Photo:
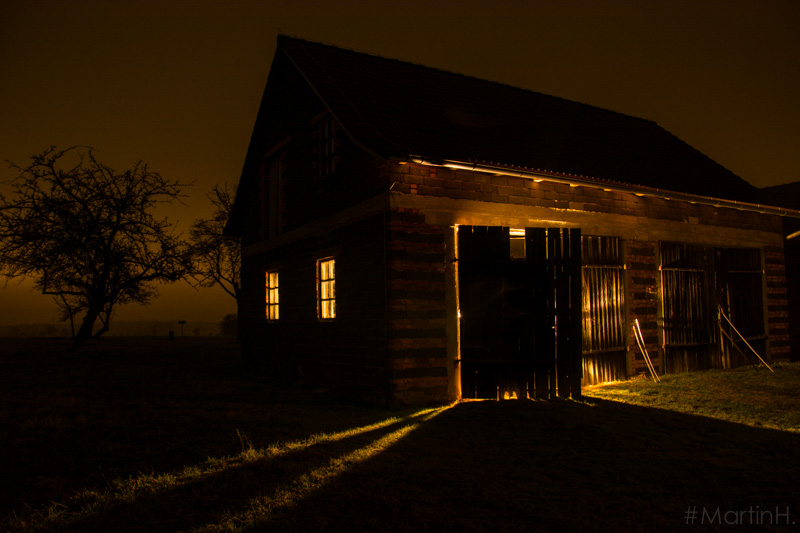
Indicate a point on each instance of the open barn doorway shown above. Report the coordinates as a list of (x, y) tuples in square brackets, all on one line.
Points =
[(520, 302), (713, 306)]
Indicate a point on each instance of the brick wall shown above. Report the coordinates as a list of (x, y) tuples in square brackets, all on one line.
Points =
[(777, 304), (642, 292), (416, 282)]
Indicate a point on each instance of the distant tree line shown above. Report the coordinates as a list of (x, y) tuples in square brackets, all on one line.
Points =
[(124, 328)]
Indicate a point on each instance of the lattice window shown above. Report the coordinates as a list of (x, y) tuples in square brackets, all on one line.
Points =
[(272, 191), (327, 158), (326, 289), (271, 294)]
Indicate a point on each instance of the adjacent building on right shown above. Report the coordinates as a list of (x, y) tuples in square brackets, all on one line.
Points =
[(788, 196)]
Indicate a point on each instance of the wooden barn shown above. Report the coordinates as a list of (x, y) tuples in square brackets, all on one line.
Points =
[(412, 235)]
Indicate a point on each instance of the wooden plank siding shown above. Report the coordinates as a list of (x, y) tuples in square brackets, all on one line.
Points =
[(347, 353), (565, 258), (604, 310)]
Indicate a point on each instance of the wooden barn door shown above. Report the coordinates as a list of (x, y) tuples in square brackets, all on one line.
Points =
[(553, 257), (489, 357), (520, 314)]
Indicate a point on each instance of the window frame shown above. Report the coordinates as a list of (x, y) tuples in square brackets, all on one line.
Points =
[(271, 290), (271, 192), (327, 146), (326, 288)]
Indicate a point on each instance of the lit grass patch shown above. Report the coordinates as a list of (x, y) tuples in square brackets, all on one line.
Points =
[(89, 502), (746, 395), (261, 510)]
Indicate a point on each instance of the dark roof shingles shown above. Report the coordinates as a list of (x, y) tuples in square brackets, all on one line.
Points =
[(396, 108)]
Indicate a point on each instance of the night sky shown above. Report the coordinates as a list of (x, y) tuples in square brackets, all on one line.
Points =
[(177, 83)]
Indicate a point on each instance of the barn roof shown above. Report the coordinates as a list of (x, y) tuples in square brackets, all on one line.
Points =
[(410, 112), (399, 109)]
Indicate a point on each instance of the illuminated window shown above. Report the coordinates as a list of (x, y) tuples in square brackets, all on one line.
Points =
[(326, 147), (326, 289), (271, 290), (517, 244)]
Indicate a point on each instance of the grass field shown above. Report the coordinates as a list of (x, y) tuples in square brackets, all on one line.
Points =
[(152, 435)]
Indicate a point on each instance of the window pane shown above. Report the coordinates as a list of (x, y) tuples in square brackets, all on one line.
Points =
[(324, 290)]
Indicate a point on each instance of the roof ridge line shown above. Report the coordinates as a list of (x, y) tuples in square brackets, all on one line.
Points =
[(366, 122), (460, 74)]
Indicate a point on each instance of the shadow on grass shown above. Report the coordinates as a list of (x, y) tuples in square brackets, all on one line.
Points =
[(78, 430), (278, 475), (72, 423), (597, 465)]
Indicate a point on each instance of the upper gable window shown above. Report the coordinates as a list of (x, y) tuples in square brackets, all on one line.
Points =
[(272, 177), (272, 197), (327, 145)]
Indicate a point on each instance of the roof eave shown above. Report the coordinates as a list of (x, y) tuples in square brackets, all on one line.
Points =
[(605, 185)]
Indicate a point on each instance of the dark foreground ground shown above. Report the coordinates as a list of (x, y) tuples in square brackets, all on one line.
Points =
[(152, 435)]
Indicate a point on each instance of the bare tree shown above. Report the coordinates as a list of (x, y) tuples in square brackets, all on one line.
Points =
[(69, 307), (217, 257), (88, 235)]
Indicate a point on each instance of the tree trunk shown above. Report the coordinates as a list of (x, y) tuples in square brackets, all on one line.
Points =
[(85, 331), (238, 321)]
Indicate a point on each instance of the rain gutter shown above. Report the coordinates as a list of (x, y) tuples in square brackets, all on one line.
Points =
[(581, 181)]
